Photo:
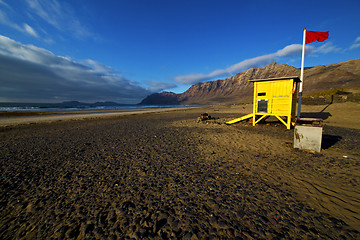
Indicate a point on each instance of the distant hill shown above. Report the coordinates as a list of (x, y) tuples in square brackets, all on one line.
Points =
[(163, 98), (238, 89)]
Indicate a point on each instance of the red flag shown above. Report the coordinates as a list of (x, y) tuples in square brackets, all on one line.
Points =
[(316, 36)]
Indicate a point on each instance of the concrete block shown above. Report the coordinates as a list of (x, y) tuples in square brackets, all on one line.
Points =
[(308, 137)]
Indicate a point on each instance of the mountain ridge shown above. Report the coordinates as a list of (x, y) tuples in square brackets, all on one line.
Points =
[(237, 88)]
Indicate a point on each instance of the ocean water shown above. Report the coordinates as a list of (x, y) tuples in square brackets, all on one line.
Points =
[(75, 106)]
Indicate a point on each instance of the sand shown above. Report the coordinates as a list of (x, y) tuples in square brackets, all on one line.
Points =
[(163, 175)]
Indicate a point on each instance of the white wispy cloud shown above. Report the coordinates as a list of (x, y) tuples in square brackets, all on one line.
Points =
[(30, 73), (60, 15), (356, 43), (25, 28), (3, 3), (49, 10), (290, 50), (30, 30), (4, 19), (98, 67), (327, 48), (158, 86), (42, 14)]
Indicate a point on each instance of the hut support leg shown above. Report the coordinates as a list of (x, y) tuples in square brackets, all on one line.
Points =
[(255, 122), (281, 120)]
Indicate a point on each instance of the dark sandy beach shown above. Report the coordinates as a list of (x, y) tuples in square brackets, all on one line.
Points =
[(165, 176)]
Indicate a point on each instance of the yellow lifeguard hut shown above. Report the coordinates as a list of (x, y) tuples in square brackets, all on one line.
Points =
[(273, 97)]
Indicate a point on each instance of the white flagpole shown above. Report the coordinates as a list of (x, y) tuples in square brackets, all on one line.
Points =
[(301, 75)]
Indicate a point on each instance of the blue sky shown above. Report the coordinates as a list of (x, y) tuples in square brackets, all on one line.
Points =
[(114, 50)]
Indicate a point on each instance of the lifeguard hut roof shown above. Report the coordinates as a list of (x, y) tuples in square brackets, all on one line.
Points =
[(296, 79)]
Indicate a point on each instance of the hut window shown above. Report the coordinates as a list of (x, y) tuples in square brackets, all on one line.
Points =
[(262, 94), (262, 106)]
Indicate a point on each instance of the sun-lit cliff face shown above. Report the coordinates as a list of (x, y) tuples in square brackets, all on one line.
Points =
[(237, 88)]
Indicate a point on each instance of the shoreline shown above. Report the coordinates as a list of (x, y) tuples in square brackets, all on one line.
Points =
[(48, 117), (346, 115)]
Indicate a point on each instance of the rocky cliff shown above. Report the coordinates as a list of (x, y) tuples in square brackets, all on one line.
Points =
[(237, 89)]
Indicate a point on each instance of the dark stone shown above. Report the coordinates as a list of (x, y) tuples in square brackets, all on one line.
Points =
[(128, 205), (304, 228), (72, 233), (87, 228), (159, 224), (188, 235)]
